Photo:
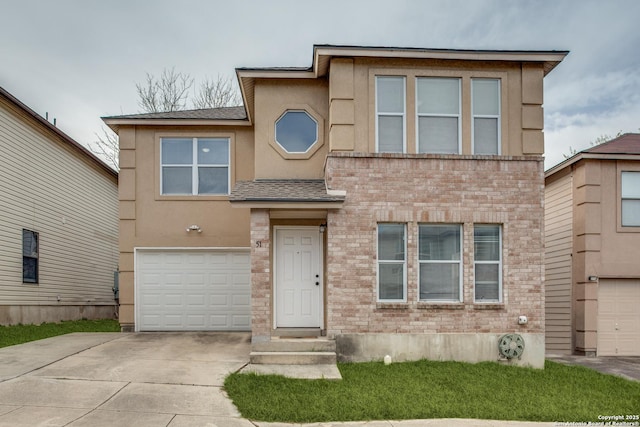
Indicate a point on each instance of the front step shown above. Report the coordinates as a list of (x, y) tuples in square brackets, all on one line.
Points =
[(291, 351), (293, 358)]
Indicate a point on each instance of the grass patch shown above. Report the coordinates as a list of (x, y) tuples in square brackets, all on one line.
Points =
[(427, 389), (18, 334)]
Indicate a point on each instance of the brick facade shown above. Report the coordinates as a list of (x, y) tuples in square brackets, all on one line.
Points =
[(260, 275), (414, 189)]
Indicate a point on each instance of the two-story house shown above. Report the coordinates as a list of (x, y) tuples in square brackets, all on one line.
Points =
[(592, 216), (388, 198), (58, 223)]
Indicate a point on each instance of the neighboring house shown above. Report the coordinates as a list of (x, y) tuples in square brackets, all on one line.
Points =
[(388, 198), (592, 223), (58, 223)]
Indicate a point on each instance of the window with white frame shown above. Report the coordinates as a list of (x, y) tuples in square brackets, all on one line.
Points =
[(390, 114), (392, 262), (440, 262), (487, 246), (194, 166), (438, 111), (30, 250), (630, 199), (486, 116)]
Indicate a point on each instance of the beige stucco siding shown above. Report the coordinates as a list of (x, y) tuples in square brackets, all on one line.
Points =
[(48, 187), (558, 247)]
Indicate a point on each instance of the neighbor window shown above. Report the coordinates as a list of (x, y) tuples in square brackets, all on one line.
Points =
[(440, 262), (631, 199), (296, 131), (390, 114), (486, 116), (392, 262), (487, 244), (30, 249), (194, 166), (438, 110)]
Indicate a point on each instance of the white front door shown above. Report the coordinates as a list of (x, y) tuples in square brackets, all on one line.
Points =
[(298, 277)]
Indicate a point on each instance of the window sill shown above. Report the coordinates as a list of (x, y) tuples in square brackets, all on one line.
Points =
[(193, 198), (440, 305), (392, 306), (489, 306)]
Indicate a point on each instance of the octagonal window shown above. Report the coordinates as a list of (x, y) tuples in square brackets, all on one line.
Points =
[(296, 131)]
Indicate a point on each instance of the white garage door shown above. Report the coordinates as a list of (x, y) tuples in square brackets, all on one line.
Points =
[(184, 290), (619, 317)]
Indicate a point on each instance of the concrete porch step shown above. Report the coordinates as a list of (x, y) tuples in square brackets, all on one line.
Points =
[(295, 344), (298, 332), (293, 357)]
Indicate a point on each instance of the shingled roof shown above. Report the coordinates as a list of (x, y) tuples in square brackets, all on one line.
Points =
[(629, 143), (283, 190), (222, 113)]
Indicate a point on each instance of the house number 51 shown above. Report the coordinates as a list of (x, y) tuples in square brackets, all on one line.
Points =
[(258, 243)]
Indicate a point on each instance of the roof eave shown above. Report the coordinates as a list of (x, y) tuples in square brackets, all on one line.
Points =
[(588, 156), (286, 204), (114, 124)]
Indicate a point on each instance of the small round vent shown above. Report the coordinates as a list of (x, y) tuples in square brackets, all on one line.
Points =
[(511, 346)]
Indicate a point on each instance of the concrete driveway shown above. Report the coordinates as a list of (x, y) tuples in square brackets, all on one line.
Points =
[(113, 379)]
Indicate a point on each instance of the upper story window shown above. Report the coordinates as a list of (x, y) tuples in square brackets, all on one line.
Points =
[(630, 199), (194, 166), (30, 250), (438, 111), (390, 114), (296, 131), (486, 116)]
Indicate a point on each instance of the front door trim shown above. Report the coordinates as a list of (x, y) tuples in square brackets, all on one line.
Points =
[(320, 272)]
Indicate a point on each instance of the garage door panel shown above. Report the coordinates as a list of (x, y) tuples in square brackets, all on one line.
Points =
[(619, 317), (188, 290)]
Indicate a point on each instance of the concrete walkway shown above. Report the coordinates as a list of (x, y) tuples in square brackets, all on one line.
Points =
[(150, 379)]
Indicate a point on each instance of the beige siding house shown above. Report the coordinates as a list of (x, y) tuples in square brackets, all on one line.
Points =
[(58, 223), (388, 200), (592, 241)]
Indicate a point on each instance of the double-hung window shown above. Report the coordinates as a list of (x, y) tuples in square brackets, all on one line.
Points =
[(486, 116), (30, 250), (390, 114), (438, 110), (487, 243), (630, 199), (194, 166), (392, 262), (440, 262)]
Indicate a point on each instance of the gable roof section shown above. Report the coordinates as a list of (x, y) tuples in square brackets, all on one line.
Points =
[(624, 147), (52, 130)]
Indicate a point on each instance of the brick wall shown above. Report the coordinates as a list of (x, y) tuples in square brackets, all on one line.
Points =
[(414, 189)]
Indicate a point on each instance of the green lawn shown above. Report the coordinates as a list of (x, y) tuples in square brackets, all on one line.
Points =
[(426, 389), (18, 334)]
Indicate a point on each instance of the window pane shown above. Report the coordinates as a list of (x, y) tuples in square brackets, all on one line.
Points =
[(486, 240), (440, 281), (485, 136), (390, 134), (631, 213), (438, 96), (29, 270), (391, 279), (213, 151), (391, 242), (29, 243), (213, 180), (439, 242), (487, 279), (390, 94), (296, 131), (485, 97), (177, 151), (438, 135), (176, 180), (631, 185)]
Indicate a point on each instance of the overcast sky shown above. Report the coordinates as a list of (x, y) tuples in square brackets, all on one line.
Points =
[(80, 59)]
